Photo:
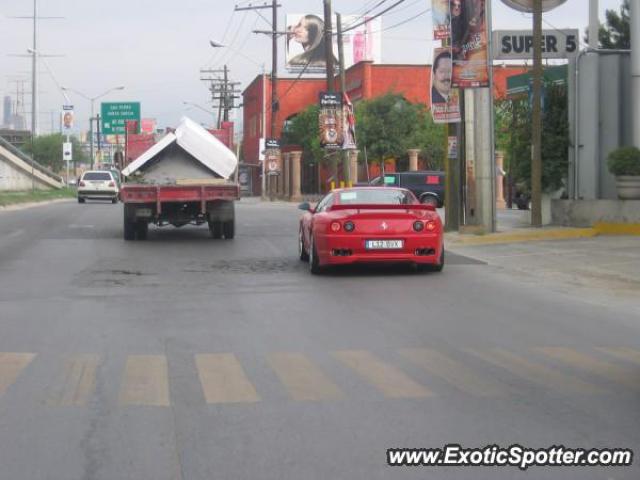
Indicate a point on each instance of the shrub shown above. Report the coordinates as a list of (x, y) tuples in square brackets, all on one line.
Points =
[(624, 161)]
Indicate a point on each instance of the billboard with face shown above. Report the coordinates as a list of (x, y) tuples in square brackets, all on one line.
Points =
[(305, 42)]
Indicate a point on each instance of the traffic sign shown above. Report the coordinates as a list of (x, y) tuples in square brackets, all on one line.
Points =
[(115, 114)]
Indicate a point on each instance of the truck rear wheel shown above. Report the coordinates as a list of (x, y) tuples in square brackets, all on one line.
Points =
[(129, 226), (215, 227), (142, 228), (229, 229)]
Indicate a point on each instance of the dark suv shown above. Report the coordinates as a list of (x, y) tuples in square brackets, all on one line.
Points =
[(428, 186)]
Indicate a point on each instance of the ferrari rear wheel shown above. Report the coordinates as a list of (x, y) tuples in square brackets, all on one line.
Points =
[(302, 253), (314, 263)]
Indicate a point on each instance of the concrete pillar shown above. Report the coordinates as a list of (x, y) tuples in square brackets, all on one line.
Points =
[(413, 159), (500, 202), (286, 171), (295, 158), (353, 166), (635, 69)]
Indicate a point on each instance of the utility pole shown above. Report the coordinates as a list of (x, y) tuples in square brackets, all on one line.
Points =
[(346, 168), (536, 130), (328, 44), (274, 71), (274, 68), (34, 75), (223, 91)]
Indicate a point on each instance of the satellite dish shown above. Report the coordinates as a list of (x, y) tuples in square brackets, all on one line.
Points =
[(527, 5)]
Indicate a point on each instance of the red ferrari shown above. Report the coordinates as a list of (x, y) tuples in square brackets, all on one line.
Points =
[(371, 225)]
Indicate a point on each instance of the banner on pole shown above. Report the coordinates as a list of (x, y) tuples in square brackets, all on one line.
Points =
[(445, 100), (67, 151), (441, 19), (469, 43), (67, 117), (273, 156), (330, 120), (349, 122)]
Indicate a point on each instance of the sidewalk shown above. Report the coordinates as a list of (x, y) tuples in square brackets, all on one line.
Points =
[(513, 227)]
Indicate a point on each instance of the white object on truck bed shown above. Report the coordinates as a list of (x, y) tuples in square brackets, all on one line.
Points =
[(191, 153)]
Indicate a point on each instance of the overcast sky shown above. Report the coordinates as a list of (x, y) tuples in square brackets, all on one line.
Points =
[(155, 48)]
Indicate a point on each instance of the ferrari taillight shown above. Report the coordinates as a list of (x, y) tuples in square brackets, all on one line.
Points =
[(335, 226), (430, 226), (349, 226), (418, 226)]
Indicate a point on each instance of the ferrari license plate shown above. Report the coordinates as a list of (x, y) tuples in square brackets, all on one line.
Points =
[(384, 244)]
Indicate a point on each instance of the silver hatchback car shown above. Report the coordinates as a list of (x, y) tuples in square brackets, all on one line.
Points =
[(98, 184)]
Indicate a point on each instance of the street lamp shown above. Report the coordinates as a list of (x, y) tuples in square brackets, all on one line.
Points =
[(215, 44), (92, 100)]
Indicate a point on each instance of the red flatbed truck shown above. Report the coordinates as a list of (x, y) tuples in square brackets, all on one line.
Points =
[(187, 178)]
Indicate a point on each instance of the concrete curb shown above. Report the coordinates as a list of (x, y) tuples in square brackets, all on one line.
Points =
[(520, 236), (23, 206), (617, 228)]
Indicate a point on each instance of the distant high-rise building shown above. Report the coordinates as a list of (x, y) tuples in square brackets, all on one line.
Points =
[(8, 113)]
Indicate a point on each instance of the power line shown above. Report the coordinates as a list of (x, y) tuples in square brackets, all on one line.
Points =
[(352, 27)]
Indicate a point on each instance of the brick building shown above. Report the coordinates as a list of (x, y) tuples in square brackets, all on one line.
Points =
[(364, 80)]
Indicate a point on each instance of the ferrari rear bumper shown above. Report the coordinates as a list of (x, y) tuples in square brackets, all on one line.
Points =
[(350, 249)]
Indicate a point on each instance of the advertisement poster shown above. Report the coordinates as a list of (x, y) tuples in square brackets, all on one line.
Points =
[(441, 19), (67, 117), (349, 123), (445, 100), (469, 43), (330, 120), (305, 45), (273, 157)]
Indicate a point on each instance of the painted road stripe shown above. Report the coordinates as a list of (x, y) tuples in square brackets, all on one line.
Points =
[(454, 372), (302, 379), (625, 376), (11, 365), (535, 372), (78, 383), (386, 378), (623, 353), (223, 379), (145, 381)]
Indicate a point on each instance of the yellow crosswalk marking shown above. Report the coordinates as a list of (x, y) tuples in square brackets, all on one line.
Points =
[(78, 382), (623, 353), (535, 372), (223, 379), (11, 364), (454, 372), (386, 378), (145, 381), (625, 376), (303, 379)]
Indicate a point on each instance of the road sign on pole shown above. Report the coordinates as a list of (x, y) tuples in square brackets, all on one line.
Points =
[(116, 114)]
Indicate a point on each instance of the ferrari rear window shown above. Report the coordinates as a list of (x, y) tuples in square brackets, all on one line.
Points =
[(375, 196)]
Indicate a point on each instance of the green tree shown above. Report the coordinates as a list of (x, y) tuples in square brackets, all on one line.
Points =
[(555, 140), (616, 33), (303, 130), (47, 151), (389, 125)]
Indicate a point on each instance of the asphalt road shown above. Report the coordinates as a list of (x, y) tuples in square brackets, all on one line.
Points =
[(190, 358)]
